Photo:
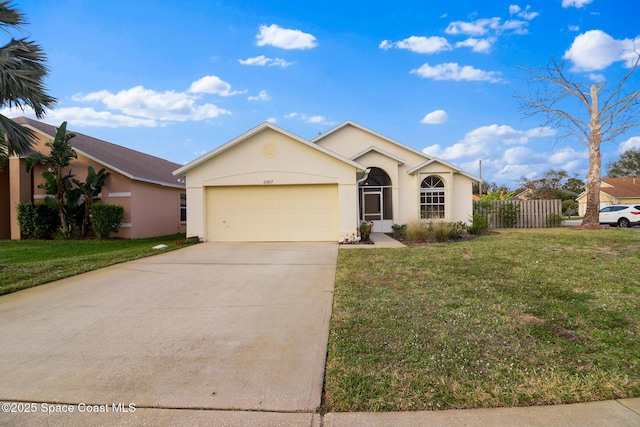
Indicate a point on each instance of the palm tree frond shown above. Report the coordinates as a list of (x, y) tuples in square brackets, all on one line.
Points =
[(18, 138)]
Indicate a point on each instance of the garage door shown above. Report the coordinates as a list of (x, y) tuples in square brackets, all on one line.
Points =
[(273, 213)]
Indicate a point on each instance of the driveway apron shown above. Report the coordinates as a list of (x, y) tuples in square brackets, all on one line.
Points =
[(214, 326)]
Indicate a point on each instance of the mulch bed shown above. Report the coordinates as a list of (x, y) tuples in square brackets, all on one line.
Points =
[(464, 236)]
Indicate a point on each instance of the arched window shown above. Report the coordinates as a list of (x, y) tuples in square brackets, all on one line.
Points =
[(432, 200)]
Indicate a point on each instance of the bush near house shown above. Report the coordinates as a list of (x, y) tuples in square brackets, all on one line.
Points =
[(37, 220), (106, 219)]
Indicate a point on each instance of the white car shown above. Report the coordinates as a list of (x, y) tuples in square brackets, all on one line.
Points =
[(620, 215)]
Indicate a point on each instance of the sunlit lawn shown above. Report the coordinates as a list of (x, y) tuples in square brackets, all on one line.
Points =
[(524, 317), (27, 263)]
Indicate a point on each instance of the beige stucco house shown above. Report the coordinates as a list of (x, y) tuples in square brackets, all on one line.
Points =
[(271, 185), (613, 191), (154, 200)]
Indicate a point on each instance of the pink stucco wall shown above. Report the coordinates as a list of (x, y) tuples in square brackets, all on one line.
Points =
[(151, 209)]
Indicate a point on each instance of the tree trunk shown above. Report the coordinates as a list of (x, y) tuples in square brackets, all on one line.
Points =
[(592, 214)]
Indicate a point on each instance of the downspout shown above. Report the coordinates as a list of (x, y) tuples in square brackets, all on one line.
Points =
[(358, 182)]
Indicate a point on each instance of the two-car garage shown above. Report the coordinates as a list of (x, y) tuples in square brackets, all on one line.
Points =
[(272, 213)]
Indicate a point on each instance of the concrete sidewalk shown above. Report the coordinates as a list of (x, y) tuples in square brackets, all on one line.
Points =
[(380, 240), (612, 413)]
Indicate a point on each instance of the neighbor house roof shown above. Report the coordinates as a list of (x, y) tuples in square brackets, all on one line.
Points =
[(130, 163), (621, 187), (254, 131)]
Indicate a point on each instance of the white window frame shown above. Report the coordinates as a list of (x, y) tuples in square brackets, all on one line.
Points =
[(432, 198)]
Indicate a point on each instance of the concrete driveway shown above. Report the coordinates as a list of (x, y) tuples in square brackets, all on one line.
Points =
[(215, 326)]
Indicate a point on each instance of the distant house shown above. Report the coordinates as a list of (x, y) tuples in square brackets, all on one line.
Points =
[(154, 200), (613, 191), (271, 185)]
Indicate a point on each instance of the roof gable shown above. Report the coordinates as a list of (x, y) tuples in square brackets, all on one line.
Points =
[(130, 163), (377, 150), (252, 132), (442, 162), (349, 123)]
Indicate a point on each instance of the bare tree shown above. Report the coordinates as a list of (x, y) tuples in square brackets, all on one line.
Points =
[(551, 93)]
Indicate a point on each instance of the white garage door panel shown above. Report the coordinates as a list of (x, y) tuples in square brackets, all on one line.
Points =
[(273, 213)]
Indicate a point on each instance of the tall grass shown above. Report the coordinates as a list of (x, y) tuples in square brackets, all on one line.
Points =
[(417, 231)]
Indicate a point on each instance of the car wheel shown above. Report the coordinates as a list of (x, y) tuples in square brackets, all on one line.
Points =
[(624, 222)]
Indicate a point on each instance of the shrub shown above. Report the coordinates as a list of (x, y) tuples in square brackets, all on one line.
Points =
[(440, 230), (417, 231), (569, 207), (478, 224), (37, 220), (106, 219), (509, 214), (554, 220), (365, 230), (399, 230)]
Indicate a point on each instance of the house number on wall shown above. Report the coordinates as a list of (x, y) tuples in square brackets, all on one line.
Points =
[(268, 181)]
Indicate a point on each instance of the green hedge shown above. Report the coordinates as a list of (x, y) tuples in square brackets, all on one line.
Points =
[(106, 219), (37, 220)]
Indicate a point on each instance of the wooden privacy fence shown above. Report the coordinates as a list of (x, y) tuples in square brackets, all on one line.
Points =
[(520, 213)]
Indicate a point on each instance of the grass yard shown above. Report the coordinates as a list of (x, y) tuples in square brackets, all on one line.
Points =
[(27, 263), (521, 318)]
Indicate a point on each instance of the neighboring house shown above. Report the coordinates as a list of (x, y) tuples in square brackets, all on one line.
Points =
[(271, 185), (613, 191), (154, 200)]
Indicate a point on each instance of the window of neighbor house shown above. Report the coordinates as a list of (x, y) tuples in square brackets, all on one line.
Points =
[(183, 207), (432, 199)]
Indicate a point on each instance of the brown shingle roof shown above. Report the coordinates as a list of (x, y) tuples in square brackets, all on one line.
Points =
[(622, 187), (134, 164)]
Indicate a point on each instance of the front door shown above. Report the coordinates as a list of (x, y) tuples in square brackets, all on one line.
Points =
[(372, 209)]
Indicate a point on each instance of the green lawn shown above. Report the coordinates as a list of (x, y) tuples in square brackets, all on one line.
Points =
[(523, 317), (27, 263)]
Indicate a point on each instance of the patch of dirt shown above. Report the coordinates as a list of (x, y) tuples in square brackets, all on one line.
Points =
[(588, 227), (528, 319)]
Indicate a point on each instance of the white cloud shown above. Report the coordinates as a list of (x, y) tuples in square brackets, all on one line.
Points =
[(148, 104), (435, 117), (317, 119), (575, 3), (478, 27), (213, 85), (596, 50), (453, 71), (633, 142), (483, 26), (418, 44), (525, 13), (77, 116), (272, 120), (487, 139), (478, 45), (575, 28), (263, 61), (285, 38), (262, 96), (597, 77), (509, 154)]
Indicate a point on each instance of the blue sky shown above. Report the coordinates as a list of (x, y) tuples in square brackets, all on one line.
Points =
[(177, 79)]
